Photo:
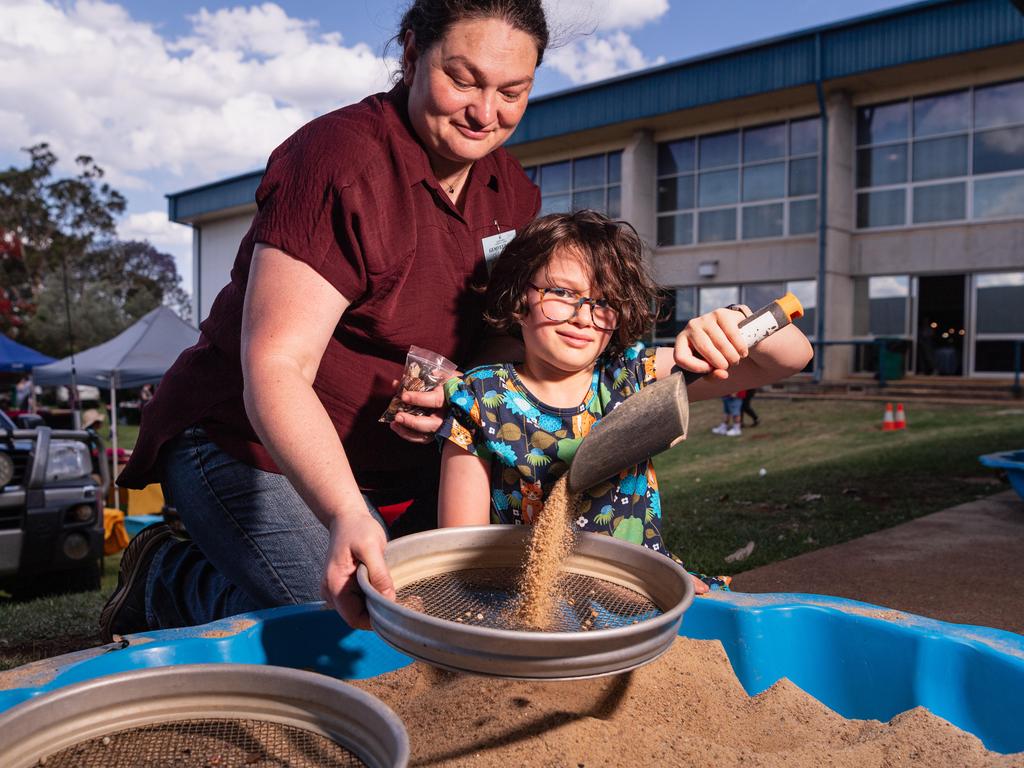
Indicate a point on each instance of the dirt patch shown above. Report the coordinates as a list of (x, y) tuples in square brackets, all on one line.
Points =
[(686, 708), (234, 628), (41, 672)]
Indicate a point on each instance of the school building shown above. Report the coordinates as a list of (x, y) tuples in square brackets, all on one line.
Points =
[(874, 167)]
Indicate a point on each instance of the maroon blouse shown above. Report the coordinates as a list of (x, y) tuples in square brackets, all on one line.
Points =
[(351, 194)]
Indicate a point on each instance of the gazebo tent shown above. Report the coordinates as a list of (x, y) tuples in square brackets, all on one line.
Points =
[(15, 357), (139, 355)]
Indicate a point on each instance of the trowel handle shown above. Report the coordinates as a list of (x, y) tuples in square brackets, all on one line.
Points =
[(762, 324)]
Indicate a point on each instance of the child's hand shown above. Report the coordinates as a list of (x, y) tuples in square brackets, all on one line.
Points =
[(711, 343), (699, 587)]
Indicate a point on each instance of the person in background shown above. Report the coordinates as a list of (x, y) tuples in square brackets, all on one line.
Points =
[(373, 229), (732, 405), (747, 409), (575, 287), (22, 393)]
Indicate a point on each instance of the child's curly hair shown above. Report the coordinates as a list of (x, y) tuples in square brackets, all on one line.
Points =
[(610, 251)]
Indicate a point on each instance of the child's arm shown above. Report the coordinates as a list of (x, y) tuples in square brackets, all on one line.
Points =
[(711, 344), (464, 497)]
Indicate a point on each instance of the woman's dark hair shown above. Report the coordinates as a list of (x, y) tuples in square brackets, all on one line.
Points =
[(430, 20), (610, 251)]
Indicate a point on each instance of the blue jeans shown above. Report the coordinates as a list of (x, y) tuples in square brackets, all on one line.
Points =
[(254, 542), (731, 405)]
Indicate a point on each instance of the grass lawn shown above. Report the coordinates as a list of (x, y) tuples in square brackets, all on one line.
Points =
[(49, 626), (830, 475)]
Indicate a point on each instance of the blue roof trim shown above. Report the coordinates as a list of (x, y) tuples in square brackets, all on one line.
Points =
[(912, 33), (187, 205)]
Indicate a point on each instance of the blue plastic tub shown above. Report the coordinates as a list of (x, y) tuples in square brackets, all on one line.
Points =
[(861, 660), (135, 523), (1012, 462)]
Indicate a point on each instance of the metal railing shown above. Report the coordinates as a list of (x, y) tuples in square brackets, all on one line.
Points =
[(882, 344)]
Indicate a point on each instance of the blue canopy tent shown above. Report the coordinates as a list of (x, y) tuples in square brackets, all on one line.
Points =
[(139, 355), (17, 358)]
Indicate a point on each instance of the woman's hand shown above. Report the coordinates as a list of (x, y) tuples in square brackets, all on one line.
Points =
[(711, 343), (355, 538), (420, 429)]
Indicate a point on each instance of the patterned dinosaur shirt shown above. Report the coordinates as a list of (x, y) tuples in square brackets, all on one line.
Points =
[(529, 445)]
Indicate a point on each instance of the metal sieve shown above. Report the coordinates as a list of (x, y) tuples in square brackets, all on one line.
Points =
[(223, 715), (618, 605)]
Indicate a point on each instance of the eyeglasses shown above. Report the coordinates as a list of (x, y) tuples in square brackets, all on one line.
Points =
[(560, 305)]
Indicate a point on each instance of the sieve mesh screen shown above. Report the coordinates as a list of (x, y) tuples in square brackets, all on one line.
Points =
[(207, 743), (487, 597)]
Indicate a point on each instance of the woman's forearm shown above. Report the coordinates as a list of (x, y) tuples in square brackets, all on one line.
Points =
[(296, 430)]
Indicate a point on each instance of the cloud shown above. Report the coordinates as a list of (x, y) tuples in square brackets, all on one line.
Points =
[(598, 57), (589, 41), (584, 16), (89, 78), (154, 226)]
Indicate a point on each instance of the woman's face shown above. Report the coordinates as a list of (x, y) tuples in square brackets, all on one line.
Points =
[(468, 91)]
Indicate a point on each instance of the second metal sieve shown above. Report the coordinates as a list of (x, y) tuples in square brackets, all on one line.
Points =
[(618, 605)]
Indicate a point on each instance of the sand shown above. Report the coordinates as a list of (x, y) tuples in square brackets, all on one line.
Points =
[(685, 709), (551, 540)]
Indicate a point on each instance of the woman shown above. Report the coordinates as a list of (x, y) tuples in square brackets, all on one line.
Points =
[(370, 235)]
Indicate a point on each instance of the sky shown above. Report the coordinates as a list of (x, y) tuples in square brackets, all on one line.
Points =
[(166, 96)]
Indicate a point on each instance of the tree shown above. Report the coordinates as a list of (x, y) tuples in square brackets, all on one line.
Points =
[(50, 227)]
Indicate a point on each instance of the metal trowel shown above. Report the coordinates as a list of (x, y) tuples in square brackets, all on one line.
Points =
[(656, 418)]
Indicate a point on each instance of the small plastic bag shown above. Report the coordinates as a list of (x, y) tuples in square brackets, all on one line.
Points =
[(424, 370)]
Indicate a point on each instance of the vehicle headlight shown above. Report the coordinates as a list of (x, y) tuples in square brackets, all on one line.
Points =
[(6, 469), (68, 460)]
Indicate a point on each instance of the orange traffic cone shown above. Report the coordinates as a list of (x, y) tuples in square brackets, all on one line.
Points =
[(901, 418), (888, 424)]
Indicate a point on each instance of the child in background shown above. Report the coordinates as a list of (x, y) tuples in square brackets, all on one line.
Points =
[(732, 406), (576, 289)]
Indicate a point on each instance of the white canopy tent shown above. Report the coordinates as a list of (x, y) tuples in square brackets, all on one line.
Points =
[(139, 355)]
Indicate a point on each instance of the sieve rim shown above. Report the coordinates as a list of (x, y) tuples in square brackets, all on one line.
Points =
[(665, 617), (107, 704), (498, 651)]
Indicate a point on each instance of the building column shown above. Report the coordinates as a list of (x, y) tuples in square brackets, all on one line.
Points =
[(839, 224), (639, 171), (197, 265)]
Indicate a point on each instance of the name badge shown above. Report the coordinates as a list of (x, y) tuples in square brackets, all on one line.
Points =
[(494, 245)]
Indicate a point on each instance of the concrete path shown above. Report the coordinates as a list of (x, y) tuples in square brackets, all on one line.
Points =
[(964, 564)]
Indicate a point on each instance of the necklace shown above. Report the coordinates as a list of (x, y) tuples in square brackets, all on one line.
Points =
[(450, 185)]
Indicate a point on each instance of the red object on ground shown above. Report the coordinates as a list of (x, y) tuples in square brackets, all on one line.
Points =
[(391, 512), (901, 418), (888, 423), (122, 455)]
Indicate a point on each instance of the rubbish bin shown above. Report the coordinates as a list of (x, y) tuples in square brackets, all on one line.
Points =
[(892, 362)]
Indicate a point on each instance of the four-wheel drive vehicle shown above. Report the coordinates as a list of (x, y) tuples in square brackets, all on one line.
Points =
[(52, 487)]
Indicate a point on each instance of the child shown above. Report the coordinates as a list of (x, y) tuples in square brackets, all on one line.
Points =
[(575, 288), (732, 405)]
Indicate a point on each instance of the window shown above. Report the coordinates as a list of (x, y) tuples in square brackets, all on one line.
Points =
[(684, 303), (679, 305), (999, 302), (714, 296), (752, 183), (945, 157), (593, 182), (807, 292), (888, 303), (758, 295)]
